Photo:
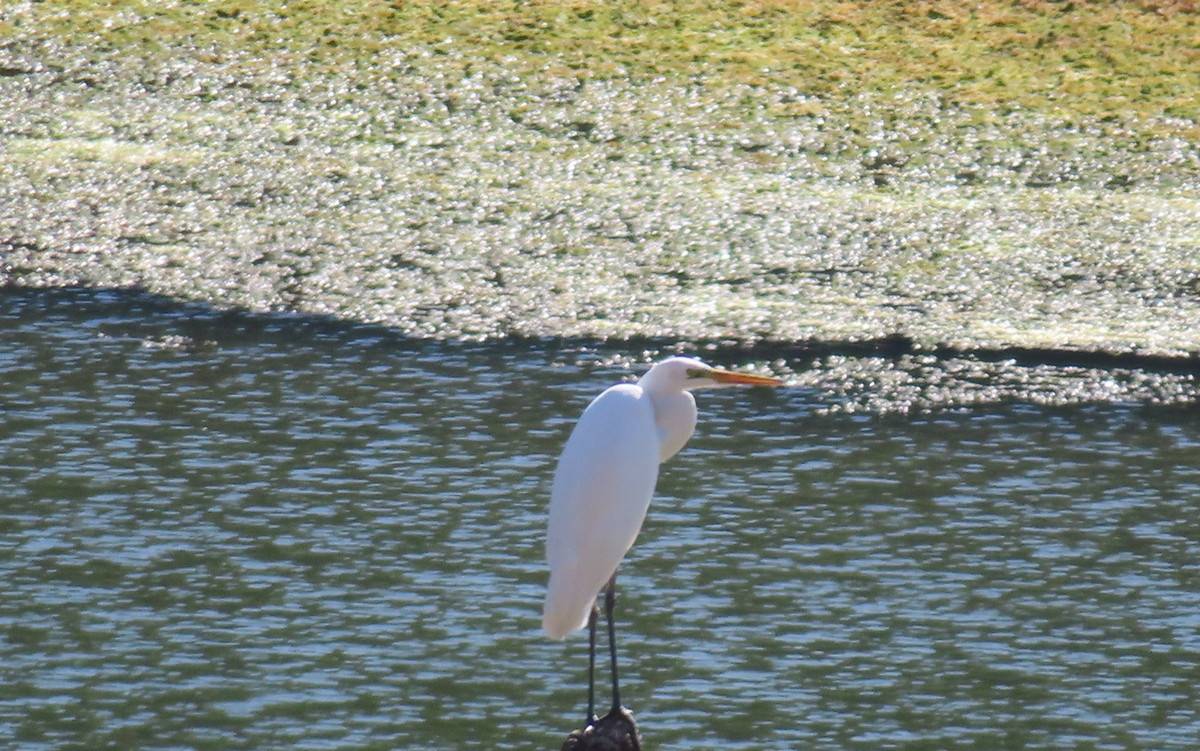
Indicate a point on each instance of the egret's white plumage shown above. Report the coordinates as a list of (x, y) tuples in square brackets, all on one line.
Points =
[(606, 475), (616, 430)]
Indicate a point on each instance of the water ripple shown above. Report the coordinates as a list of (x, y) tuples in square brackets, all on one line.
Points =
[(331, 539)]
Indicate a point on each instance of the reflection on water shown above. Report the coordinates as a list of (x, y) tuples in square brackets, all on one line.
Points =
[(238, 533)]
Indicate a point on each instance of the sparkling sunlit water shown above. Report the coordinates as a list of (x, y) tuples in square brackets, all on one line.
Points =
[(268, 533)]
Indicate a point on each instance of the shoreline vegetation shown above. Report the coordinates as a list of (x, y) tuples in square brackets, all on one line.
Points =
[(974, 177), (1064, 58)]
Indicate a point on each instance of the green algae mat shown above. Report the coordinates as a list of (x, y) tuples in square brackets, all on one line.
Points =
[(1008, 174)]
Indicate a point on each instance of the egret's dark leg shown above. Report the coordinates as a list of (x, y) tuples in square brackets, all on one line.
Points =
[(591, 712), (610, 598)]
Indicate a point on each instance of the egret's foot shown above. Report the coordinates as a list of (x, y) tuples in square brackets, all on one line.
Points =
[(615, 731)]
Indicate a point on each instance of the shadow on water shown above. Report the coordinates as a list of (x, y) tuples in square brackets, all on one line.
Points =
[(201, 323), (266, 531)]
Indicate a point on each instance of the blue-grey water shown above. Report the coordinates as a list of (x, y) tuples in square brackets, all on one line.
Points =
[(238, 532)]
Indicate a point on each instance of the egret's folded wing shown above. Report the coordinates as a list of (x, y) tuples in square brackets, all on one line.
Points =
[(602, 488)]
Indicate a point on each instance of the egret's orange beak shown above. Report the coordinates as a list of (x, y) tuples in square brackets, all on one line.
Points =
[(744, 379)]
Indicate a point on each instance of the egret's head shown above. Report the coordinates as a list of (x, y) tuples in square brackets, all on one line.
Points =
[(688, 373)]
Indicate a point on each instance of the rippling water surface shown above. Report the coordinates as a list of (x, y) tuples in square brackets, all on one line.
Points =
[(267, 533)]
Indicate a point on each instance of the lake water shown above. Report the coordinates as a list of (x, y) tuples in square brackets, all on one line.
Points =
[(236, 532)]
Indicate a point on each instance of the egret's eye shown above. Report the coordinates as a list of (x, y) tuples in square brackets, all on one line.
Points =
[(697, 373)]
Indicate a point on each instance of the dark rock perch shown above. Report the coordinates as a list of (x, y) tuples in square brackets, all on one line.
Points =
[(615, 731)]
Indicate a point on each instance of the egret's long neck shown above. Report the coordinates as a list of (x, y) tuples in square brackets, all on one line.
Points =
[(675, 416)]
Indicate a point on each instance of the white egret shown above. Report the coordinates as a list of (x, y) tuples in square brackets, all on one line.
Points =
[(602, 488)]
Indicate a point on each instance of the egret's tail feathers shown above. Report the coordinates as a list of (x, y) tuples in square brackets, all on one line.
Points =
[(558, 625), (566, 609)]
